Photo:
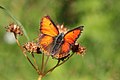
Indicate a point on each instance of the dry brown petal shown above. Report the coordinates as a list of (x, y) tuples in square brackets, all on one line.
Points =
[(78, 49), (31, 47), (62, 29), (14, 29)]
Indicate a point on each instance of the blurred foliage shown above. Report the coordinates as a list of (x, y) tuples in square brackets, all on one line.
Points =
[(101, 19)]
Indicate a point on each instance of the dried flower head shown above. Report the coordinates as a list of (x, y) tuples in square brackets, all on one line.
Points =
[(14, 29), (62, 29), (78, 49), (31, 47)]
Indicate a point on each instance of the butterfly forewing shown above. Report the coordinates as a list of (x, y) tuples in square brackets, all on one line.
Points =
[(72, 35), (48, 27)]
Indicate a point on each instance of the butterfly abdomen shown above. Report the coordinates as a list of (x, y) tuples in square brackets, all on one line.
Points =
[(57, 43)]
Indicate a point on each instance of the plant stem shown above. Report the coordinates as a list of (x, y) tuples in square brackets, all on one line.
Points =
[(34, 61), (25, 54), (42, 66), (40, 77), (58, 64), (66, 59), (46, 62), (52, 68)]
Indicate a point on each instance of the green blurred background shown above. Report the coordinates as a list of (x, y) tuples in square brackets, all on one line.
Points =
[(101, 19)]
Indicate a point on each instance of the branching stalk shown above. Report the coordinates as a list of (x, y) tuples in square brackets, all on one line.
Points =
[(25, 54), (58, 64)]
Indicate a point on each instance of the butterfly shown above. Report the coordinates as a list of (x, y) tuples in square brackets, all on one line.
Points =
[(55, 43)]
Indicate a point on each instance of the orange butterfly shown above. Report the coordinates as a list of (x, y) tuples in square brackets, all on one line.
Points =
[(55, 43)]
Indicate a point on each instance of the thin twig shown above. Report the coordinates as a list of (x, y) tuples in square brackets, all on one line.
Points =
[(46, 62), (52, 68), (25, 54), (42, 66), (58, 64), (40, 77), (34, 61), (66, 59)]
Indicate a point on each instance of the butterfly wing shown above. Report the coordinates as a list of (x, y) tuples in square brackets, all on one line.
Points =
[(72, 35), (49, 31), (69, 39), (48, 27), (63, 51), (46, 42)]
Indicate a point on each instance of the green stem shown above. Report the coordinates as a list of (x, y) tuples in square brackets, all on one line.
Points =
[(52, 68), (66, 59), (58, 64), (42, 66), (26, 55), (46, 62), (40, 77), (34, 61)]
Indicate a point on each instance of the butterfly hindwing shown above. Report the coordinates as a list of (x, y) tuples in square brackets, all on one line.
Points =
[(63, 51), (46, 42), (48, 27), (72, 35)]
